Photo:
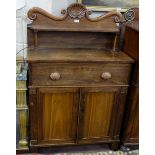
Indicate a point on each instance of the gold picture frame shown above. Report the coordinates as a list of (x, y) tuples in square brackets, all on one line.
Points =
[(108, 8)]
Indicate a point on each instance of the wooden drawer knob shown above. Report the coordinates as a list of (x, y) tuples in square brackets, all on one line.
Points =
[(55, 76), (106, 75)]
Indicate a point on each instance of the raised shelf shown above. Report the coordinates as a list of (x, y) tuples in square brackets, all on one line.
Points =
[(73, 29)]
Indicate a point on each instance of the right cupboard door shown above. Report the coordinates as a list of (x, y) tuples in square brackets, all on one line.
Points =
[(100, 114)]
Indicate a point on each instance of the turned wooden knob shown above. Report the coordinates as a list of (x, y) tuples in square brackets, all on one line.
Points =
[(106, 75), (55, 76)]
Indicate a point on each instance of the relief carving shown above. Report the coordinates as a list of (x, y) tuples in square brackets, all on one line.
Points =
[(75, 11)]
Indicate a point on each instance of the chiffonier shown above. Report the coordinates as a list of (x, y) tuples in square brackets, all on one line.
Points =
[(130, 134), (78, 78)]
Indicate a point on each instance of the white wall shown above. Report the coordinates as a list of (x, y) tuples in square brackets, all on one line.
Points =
[(44, 4), (58, 5), (21, 33), (52, 6)]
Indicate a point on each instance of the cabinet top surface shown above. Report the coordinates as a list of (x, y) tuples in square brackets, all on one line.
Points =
[(77, 55)]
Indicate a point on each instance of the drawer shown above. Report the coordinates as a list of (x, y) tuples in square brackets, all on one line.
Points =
[(76, 74)]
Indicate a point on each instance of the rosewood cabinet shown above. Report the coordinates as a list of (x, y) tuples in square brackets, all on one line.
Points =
[(130, 130), (78, 78)]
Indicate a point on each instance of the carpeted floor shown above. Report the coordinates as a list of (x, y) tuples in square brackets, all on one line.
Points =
[(135, 152)]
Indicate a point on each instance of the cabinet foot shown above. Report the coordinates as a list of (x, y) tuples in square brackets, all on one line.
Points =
[(33, 150), (114, 146)]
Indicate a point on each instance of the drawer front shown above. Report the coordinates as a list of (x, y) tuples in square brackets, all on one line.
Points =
[(78, 74)]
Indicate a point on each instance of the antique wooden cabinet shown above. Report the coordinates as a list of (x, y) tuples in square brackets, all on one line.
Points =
[(78, 78), (130, 130)]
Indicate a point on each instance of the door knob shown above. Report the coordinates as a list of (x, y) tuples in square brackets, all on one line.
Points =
[(106, 75), (55, 76)]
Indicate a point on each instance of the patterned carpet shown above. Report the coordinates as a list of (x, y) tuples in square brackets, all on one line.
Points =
[(135, 152)]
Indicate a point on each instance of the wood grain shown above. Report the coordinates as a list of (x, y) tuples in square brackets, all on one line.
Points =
[(78, 106), (131, 46), (47, 30), (33, 115), (131, 126), (97, 110), (130, 129), (79, 74), (104, 23), (70, 39), (77, 55), (58, 115)]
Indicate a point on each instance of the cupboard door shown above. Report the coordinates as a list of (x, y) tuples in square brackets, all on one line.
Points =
[(57, 115), (98, 118)]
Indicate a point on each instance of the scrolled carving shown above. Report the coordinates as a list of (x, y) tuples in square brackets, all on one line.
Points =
[(63, 12), (76, 10), (117, 16), (32, 14), (129, 15)]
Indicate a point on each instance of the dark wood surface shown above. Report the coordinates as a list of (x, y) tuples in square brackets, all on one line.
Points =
[(130, 130), (75, 74), (133, 25), (71, 101), (74, 28), (57, 115), (77, 55), (71, 40), (80, 111), (131, 40), (98, 108)]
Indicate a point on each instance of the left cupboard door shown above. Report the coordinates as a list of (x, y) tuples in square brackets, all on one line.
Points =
[(53, 117)]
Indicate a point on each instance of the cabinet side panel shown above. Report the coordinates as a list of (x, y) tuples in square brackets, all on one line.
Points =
[(131, 129), (131, 43)]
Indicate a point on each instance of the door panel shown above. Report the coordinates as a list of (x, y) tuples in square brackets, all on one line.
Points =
[(97, 109), (58, 109), (98, 106)]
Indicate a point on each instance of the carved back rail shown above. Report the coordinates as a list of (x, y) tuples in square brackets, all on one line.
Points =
[(74, 29)]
